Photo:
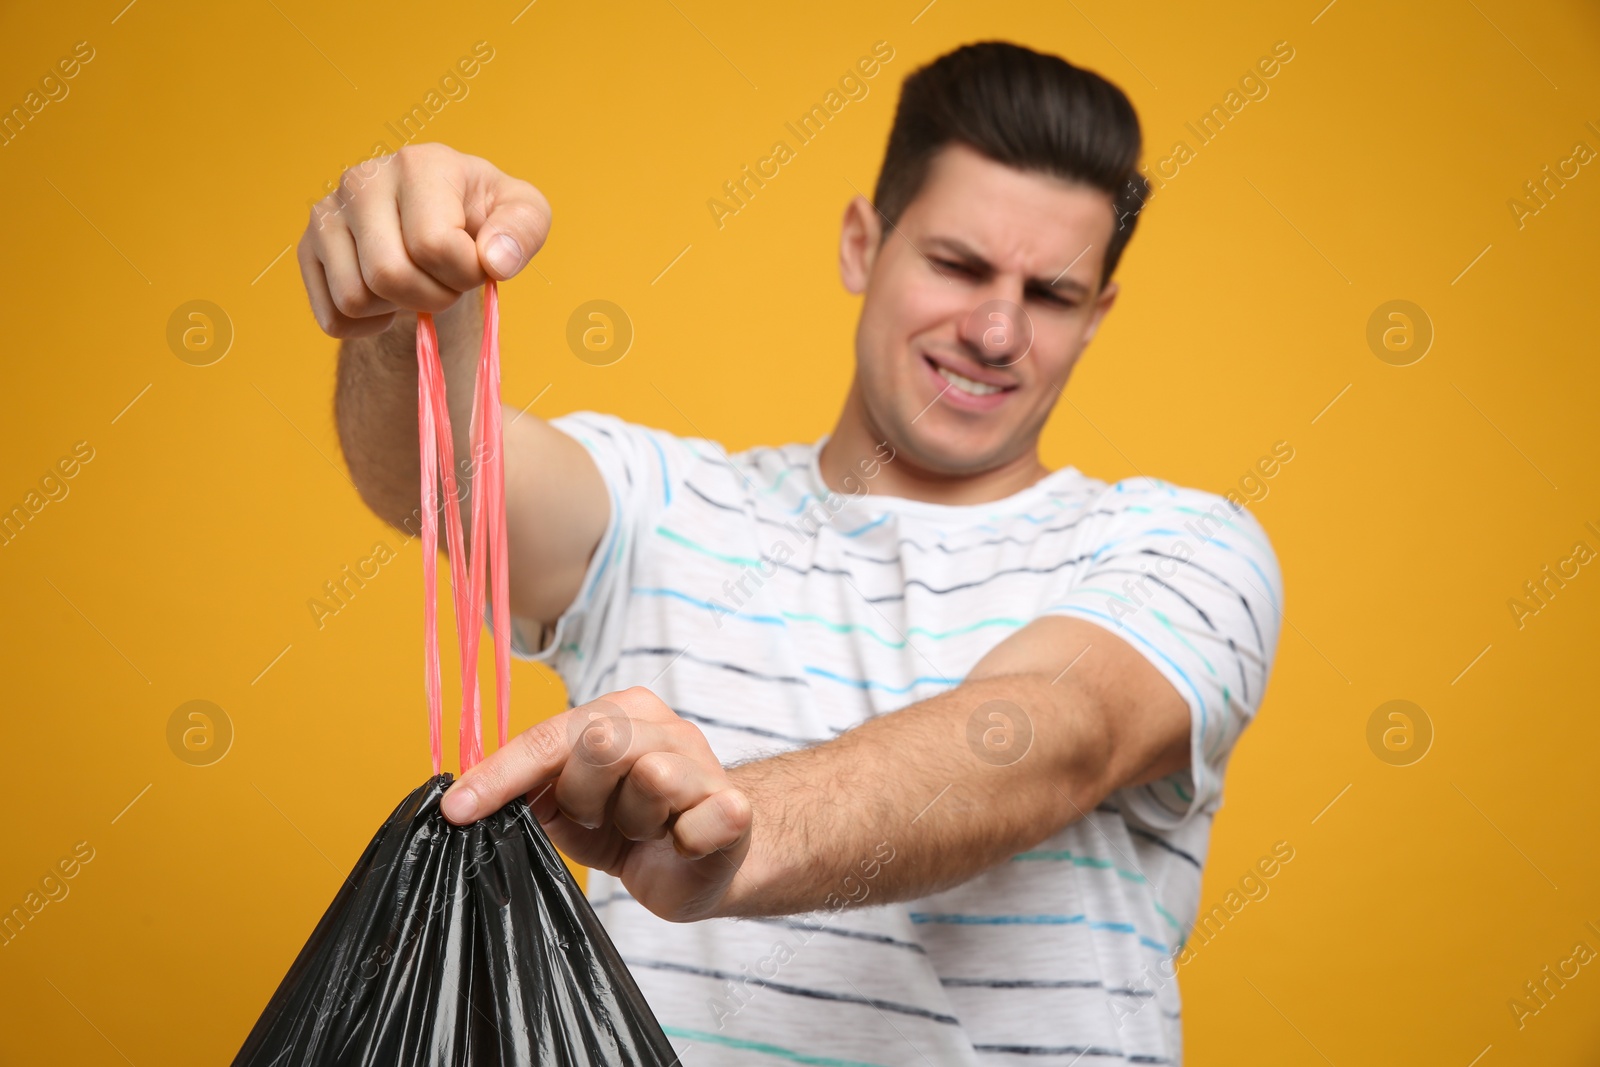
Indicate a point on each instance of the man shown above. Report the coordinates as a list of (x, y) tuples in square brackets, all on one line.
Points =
[(895, 748)]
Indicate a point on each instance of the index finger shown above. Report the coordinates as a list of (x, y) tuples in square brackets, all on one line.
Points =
[(535, 757)]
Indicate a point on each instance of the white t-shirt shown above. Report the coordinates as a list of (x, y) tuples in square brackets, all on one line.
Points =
[(774, 613)]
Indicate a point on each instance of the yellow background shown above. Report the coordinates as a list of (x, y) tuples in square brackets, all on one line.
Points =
[(180, 565)]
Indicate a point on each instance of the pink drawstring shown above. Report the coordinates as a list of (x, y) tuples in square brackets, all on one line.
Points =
[(488, 519)]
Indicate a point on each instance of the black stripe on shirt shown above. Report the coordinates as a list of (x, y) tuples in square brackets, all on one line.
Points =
[(1163, 843), (1069, 1050), (1003, 572), (679, 653), (794, 990), (724, 724), (1220, 581), (1044, 983), (859, 935)]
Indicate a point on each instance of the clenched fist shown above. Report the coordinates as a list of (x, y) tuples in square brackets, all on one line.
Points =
[(413, 231)]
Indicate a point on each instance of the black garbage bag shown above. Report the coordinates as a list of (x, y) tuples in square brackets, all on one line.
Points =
[(459, 946), (466, 946)]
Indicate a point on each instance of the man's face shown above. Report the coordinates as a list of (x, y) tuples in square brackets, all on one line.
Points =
[(976, 308)]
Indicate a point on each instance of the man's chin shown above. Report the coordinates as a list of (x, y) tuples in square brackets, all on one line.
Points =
[(949, 456)]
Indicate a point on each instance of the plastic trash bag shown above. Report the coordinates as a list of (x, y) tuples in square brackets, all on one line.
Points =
[(465, 946), (459, 946)]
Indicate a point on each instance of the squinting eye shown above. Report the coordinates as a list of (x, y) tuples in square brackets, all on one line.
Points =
[(1055, 298), (957, 268)]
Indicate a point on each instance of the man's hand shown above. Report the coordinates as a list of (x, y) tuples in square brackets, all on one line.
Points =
[(623, 785), (413, 231)]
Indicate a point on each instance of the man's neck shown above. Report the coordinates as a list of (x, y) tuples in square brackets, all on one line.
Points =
[(855, 447)]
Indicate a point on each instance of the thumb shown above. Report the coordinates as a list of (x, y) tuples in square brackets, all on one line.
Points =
[(513, 221)]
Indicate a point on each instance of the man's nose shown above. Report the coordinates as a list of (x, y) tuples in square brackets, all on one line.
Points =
[(997, 330)]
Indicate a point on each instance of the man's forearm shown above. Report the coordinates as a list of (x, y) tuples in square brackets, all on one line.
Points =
[(375, 403), (920, 799)]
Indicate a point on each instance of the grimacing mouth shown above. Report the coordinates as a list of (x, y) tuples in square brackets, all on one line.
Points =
[(971, 378)]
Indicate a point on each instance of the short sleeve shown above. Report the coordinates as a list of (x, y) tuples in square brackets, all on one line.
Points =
[(1190, 580), (643, 469)]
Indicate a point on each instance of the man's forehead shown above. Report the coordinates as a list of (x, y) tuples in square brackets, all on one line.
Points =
[(1013, 220)]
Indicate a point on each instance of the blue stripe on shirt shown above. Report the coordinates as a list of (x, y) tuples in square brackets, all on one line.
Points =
[(868, 683)]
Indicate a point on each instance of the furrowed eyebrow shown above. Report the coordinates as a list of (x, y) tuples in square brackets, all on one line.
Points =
[(973, 259)]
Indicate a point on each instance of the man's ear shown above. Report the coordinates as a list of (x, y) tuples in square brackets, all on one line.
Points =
[(860, 235)]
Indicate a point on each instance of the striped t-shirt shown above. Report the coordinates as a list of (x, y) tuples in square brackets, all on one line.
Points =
[(774, 613)]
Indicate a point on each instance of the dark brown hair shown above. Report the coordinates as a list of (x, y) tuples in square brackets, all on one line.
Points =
[(1026, 110)]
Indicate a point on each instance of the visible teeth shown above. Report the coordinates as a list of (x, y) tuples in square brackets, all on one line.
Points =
[(967, 385)]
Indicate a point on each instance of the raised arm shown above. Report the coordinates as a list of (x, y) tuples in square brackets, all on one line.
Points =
[(417, 231)]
